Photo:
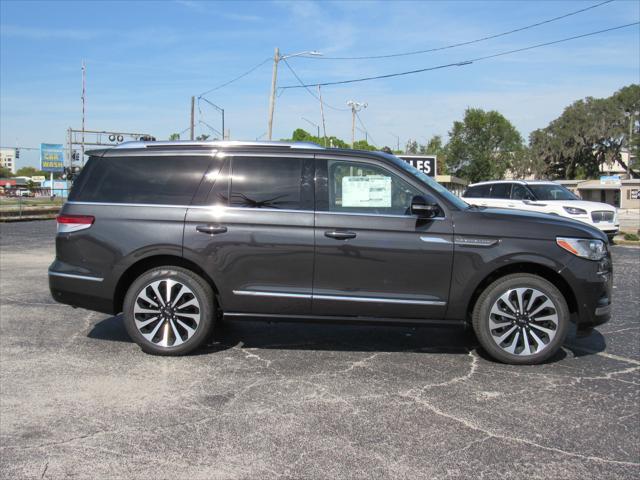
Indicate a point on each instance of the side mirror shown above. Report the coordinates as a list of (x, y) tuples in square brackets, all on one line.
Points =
[(424, 206)]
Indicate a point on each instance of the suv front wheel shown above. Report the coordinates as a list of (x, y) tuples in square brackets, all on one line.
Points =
[(169, 311), (521, 319)]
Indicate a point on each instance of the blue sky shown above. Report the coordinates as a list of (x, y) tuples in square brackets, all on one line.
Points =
[(145, 60)]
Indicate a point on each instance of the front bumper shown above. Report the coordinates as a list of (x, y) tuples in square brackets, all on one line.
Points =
[(592, 285)]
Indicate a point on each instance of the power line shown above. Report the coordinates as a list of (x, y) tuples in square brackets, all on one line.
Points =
[(252, 69), (461, 63), (373, 142), (306, 87), (470, 42)]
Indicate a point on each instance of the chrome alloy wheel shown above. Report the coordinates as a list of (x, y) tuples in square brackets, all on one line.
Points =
[(523, 321), (166, 313)]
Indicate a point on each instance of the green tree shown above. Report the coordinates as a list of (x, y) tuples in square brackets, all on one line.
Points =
[(202, 137), (30, 172), (301, 135), (5, 172), (436, 146), (174, 136), (482, 145), (589, 133)]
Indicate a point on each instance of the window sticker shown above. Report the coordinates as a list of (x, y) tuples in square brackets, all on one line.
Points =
[(369, 191)]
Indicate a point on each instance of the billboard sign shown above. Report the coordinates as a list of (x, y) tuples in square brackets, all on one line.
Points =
[(51, 157), (425, 163), (610, 180)]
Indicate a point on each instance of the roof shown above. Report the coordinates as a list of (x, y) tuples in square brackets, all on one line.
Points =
[(216, 144)]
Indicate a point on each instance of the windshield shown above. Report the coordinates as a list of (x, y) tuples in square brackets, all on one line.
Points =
[(407, 167), (551, 191)]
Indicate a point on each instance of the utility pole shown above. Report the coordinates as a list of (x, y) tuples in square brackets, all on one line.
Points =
[(272, 97), (274, 80), (84, 70), (324, 127), (193, 118), (355, 108)]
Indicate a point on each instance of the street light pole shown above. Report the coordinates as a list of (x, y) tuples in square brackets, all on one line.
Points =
[(274, 80)]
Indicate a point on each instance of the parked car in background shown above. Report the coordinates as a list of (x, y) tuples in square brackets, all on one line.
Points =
[(177, 234), (543, 197)]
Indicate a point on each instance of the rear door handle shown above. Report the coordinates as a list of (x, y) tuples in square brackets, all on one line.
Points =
[(211, 229), (340, 235)]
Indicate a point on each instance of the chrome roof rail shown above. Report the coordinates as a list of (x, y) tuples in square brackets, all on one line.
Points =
[(215, 144)]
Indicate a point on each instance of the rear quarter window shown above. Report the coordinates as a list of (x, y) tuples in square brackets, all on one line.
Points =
[(163, 180)]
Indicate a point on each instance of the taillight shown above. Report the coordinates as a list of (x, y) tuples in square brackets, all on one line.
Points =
[(74, 223)]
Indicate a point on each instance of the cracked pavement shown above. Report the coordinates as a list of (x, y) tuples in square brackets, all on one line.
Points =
[(79, 399)]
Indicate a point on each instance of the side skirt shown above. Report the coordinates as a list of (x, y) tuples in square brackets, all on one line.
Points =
[(272, 317)]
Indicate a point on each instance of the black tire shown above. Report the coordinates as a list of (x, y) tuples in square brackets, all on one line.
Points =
[(199, 290), (489, 297)]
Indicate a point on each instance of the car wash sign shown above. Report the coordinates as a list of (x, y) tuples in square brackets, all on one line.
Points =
[(425, 163), (51, 157)]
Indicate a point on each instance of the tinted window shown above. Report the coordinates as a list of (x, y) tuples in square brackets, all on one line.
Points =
[(520, 192), (501, 190), (145, 179), (477, 191), (219, 194), (364, 188), (265, 182), (552, 191)]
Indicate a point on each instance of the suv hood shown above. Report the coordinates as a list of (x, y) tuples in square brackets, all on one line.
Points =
[(585, 205), (500, 222)]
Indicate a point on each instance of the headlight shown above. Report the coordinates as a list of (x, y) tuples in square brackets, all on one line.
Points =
[(575, 211), (591, 249)]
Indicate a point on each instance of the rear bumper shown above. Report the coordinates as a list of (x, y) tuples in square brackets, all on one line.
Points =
[(79, 289)]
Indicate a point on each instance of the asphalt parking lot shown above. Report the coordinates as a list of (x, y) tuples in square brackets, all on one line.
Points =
[(78, 399)]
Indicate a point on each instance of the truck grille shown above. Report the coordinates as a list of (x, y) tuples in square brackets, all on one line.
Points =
[(602, 216)]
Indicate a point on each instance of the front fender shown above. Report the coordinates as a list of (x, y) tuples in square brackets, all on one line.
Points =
[(473, 264)]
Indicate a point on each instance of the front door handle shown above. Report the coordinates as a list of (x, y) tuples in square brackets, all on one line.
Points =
[(211, 229), (340, 235)]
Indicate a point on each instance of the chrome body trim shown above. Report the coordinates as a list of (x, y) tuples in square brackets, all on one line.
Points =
[(76, 277), (475, 241), (378, 300), (428, 239), (222, 208), (338, 298), (252, 293)]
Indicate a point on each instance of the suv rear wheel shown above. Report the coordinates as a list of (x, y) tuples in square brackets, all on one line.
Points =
[(521, 319), (169, 311)]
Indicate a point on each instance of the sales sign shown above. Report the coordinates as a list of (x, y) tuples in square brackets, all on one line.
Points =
[(51, 157), (425, 163)]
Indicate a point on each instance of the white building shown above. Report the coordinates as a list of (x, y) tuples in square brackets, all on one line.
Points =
[(8, 159)]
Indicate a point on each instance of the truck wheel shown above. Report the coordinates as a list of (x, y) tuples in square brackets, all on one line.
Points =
[(521, 319), (169, 311)]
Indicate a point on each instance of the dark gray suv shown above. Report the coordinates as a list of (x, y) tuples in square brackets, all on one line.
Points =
[(176, 234)]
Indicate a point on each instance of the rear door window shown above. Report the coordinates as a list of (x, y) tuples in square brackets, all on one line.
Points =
[(272, 182), (477, 191), (520, 192), (170, 180), (500, 190)]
